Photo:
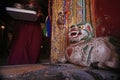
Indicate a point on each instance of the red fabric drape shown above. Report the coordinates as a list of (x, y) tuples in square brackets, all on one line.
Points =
[(26, 47)]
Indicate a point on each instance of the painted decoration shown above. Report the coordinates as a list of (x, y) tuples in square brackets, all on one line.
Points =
[(75, 35), (65, 13)]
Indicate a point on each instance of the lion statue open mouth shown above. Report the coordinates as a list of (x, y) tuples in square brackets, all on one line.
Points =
[(86, 50)]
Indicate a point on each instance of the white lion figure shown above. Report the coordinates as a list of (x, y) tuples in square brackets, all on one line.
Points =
[(85, 50)]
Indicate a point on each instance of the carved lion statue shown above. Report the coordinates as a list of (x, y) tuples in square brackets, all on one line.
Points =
[(85, 50)]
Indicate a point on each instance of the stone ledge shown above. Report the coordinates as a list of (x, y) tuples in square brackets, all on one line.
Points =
[(54, 72)]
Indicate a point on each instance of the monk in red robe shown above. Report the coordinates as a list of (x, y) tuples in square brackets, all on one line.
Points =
[(27, 43)]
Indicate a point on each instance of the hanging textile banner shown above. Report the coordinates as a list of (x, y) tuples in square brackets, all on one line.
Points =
[(58, 31)]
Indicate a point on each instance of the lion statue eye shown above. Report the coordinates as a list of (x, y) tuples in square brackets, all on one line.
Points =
[(82, 26)]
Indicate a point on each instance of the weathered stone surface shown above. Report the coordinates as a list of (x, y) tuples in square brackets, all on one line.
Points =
[(54, 72)]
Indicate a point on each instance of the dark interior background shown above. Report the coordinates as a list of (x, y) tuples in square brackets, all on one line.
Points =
[(8, 21)]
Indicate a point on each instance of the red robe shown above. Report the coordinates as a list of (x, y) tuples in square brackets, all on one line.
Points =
[(26, 46)]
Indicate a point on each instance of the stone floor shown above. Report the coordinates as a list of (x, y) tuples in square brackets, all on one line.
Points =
[(47, 71)]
